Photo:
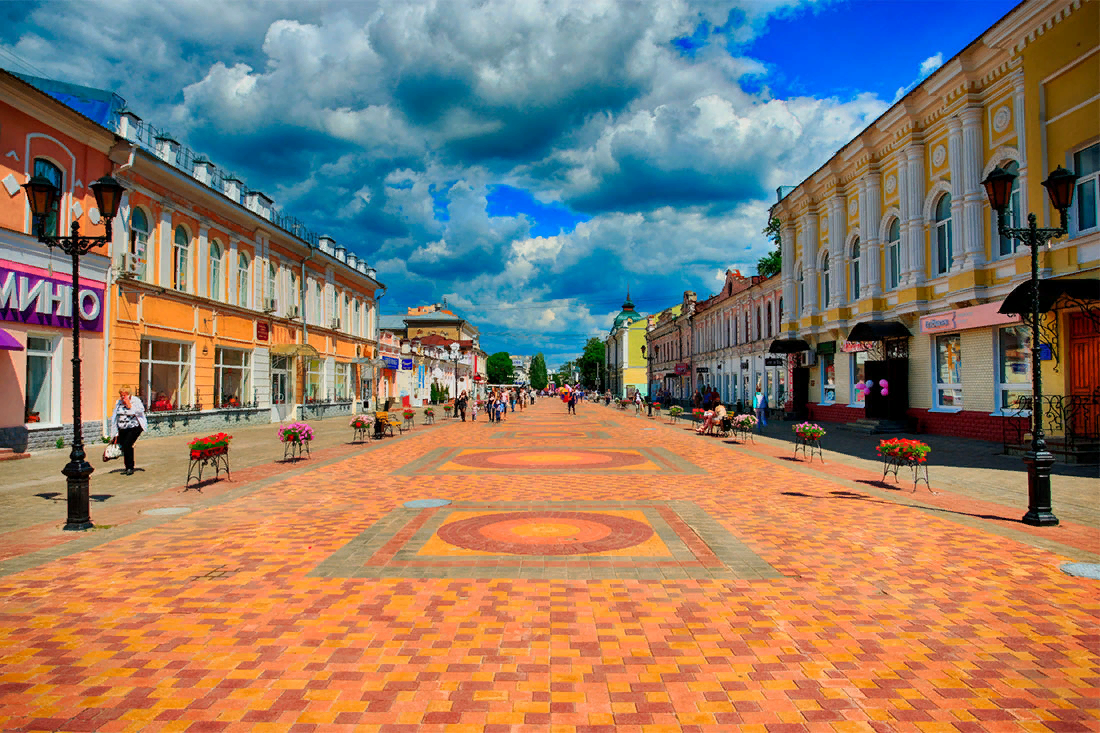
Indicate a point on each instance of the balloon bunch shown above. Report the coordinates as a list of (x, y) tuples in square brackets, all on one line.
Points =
[(866, 387)]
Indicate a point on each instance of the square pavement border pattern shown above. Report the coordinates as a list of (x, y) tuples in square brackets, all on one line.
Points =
[(435, 462), (700, 546)]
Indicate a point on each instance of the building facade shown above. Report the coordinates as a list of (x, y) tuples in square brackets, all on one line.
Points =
[(624, 353), (423, 337), (894, 235), (665, 372)]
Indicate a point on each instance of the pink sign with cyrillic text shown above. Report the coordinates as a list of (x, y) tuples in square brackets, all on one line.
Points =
[(962, 319)]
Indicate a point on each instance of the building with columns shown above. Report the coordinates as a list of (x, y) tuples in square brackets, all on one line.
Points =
[(892, 265), (624, 352)]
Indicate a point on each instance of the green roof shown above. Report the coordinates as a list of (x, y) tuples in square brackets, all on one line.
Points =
[(628, 315)]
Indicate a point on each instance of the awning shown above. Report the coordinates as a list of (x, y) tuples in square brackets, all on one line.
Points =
[(672, 375), (788, 346), (295, 350), (1018, 301), (9, 342), (879, 331)]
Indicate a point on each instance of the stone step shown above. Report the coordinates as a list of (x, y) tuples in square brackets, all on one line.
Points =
[(7, 454), (871, 426)]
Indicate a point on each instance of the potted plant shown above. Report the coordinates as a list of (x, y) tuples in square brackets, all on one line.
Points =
[(809, 432), (697, 413), (898, 452), (744, 423), (429, 412), (675, 411), (295, 438), (207, 447)]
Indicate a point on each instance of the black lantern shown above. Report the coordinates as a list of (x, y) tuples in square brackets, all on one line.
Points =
[(1059, 185), (998, 187), (41, 193), (108, 196)]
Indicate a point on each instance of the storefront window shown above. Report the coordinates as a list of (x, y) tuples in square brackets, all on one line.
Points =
[(1014, 366), (859, 374), (782, 400), (232, 372), (314, 384), (342, 381), (949, 371), (165, 375), (828, 379), (40, 399)]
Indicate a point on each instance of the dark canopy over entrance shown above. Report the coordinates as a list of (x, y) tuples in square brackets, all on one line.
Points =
[(1018, 301), (788, 346), (878, 331)]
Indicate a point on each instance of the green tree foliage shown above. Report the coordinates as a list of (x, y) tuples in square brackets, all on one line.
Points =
[(564, 374), (537, 372), (499, 368), (770, 263), (435, 393), (591, 363)]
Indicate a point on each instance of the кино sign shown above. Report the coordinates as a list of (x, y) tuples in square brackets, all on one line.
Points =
[(47, 301)]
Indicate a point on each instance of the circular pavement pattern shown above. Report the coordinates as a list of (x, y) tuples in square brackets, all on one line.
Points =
[(545, 533), (552, 459), (426, 503)]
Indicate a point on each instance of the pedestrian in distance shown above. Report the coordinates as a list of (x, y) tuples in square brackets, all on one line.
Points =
[(572, 403), (463, 401), (127, 423), (761, 405)]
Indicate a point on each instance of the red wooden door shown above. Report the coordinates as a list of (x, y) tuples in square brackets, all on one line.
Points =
[(1084, 374)]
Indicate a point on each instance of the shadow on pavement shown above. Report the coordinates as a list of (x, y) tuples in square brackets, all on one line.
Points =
[(864, 497)]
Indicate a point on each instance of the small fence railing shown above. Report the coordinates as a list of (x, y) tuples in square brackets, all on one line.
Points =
[(1071, 423)]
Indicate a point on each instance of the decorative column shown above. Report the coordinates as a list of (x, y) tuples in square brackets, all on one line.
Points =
[(789, 277), (1019, 124), (973, 240), (955, 158), (870, 213), (913, 225), (809, 261), (838, 232), (164, 242), (903, 216)]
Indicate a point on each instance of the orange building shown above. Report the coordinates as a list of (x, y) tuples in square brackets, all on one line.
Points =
[(219, 309)]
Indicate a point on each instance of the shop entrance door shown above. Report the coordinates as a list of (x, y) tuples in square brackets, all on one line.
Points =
[(1084, 376), (895, 405), (281, 388), (800, 391)]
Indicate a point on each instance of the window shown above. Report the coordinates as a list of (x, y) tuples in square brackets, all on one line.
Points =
[(50, 224), (859, 374), (314, 383), (769, 320), (295, 299), (317, 315), (181, 244), (828, 379), (215, 289), (232, 372), (357, 324), (1014, 366), (780, 312), (759, 333), (243, 282), (853, 287), (40, 388), (801, 291), (1086, 164), (944, 247), (893, 253), (342, 380), (139, 240), (823, 288), (165, 375), (269, 286), (1012, 214), (949, 371)]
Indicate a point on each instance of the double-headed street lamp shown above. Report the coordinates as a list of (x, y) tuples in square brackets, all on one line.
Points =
[(456, 349), (1059, 185), (43, 195)]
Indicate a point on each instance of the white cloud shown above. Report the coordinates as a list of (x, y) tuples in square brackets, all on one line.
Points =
[(930, 64)]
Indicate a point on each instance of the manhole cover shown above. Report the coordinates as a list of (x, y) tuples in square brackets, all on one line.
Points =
[(1082, 569), (167, 510), (426, 503)]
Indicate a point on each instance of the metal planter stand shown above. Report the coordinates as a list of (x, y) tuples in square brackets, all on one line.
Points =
[(891, 464), (294, 450), (218, 458), (809, 447)]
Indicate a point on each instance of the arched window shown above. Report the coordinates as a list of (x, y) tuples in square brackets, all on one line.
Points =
[(244, 282), (356, 326), (780, 311), (318, 316), (823, 285), (759, 331), (801, 303), (294, 307), (854, 286), (769, 321), (944, 248), (269, 286), (216, 274), (139, 241), (181, 246), (893, 254), (50, 224), (1012, 213)]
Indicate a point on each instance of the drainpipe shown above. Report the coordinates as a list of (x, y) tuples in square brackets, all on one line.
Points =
[(377, 341), (108, 296), (305, 319)]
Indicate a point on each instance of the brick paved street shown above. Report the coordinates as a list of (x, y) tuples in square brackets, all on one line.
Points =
[(588, 573)]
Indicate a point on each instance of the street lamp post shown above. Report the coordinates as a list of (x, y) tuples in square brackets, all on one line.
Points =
[(42, 195), (1059, 186), (455, 349)]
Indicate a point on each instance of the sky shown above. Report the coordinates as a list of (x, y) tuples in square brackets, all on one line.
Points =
[(529, 161)]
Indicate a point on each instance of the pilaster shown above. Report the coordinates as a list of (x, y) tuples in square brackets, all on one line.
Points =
[(202, 259), (973, 241), (914, 222), (838, 233), (955, 156), (869, 218), (164, 243)]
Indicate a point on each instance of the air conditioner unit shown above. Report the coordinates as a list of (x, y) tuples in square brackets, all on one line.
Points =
[(270, 306), (809, 358), (335, 323), (132, 266), (292, 311)]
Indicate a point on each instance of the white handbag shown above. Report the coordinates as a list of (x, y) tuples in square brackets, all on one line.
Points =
[(112, 451)]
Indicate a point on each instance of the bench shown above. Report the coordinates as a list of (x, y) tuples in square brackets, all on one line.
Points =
[(382, 424)]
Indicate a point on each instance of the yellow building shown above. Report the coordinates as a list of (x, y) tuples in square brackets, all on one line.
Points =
[(624, 353), (891, 256)]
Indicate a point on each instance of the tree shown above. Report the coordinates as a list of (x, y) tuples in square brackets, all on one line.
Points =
[(499, 368), (591, 363), (565, 374), (434, 393), (771, 263), (538, 376)]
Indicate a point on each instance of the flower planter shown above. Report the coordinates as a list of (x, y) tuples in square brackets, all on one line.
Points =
[(901, 452), (295, 438), (362, 426), (808, 437), (212, 450)]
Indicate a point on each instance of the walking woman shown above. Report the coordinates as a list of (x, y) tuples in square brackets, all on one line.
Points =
[(127, 423)]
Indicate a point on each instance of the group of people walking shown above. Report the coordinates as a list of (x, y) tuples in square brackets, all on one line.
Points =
[(497, 404)]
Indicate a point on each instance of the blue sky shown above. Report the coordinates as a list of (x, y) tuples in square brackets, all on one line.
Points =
[(527, 161)]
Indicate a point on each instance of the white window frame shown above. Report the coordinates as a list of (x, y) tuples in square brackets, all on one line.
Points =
[(319, 394), (1000, 386), (823, 284), (53, 418), (1012, 216), (893, 253), (214, 270), (825, 400), (244, 279), (145, 358), (942, 229), (345, 367), (1094, 178), (855, 398), (219, 367), (181, 254), (853, 271), (939, 387), (271, 280), (140, 237)]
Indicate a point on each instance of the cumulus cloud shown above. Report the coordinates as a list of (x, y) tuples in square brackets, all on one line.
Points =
[(387, 124)]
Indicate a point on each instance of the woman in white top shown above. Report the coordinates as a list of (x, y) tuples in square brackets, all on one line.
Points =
[(127, 423)]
